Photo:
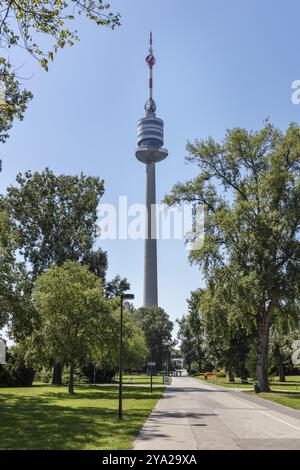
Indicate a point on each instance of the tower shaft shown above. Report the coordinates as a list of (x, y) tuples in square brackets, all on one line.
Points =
[(150, 255)]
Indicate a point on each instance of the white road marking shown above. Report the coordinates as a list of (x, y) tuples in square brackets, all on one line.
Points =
[(280, 420)]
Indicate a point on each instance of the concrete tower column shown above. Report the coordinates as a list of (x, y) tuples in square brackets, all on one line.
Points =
[(150, 151), (150, 261)]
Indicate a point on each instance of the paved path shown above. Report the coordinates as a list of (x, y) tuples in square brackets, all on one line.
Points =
[(195, 415)]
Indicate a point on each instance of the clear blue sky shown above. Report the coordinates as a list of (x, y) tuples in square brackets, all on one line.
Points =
[(219, 64)]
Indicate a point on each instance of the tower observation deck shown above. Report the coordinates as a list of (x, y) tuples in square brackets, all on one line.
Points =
[(150, 140)]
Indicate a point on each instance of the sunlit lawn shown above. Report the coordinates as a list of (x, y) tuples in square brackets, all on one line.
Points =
[(288, 399), (292, 382), (142, 379), (45, 417)]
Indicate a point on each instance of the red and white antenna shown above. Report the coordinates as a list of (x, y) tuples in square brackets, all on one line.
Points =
[(150, 59)]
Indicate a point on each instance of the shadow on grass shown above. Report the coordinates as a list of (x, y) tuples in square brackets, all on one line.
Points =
[(36, 422), (109, 392)]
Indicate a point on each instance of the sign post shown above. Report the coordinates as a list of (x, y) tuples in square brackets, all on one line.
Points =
[(2, 351), (151, 365)]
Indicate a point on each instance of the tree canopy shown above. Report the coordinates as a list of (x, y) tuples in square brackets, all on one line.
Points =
[(22, 22), (13, 100), (249, 184), (77, 322), (157, 327), (55, 217)]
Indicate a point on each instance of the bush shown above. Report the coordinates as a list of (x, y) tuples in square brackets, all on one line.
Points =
[(104, 374), (220, 374), (15, 373), (44, 376), (79, 377)]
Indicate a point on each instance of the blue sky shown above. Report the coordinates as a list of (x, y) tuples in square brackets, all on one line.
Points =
[(219, 64)]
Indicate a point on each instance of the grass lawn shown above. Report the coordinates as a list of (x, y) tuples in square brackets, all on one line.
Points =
[(288, 399), (45, 417), (142, 379), (292, 383), (223, 382)]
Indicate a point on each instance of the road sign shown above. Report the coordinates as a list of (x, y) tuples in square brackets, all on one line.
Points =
[(166, 379), (151, 364), (2, 351)]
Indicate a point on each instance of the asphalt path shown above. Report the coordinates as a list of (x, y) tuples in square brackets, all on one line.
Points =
[(195, 415)]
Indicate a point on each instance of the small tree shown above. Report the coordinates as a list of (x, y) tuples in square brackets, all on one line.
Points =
[(76, 318)]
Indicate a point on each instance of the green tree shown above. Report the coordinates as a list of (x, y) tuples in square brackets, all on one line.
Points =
[(116, 287), (250, 187), (13, 100), (157, 327), (187, 343), (55, 217), (76, 318), (24, 22), (8, 266), (226, 338)]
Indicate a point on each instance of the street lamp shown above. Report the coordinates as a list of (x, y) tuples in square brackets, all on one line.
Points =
[(123, 297)]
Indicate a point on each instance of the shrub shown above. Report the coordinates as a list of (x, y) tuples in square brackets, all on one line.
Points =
[(44, 376), (79, 377), (104, 374), (221, 374), (15, 373)]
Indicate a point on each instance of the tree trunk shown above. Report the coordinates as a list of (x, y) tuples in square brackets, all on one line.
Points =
[(57, 374), (230, 376), (244, 375), (71, 380), (262, 352), (280, 365)]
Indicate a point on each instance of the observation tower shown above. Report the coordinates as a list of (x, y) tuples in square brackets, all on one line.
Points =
[(150, 140)]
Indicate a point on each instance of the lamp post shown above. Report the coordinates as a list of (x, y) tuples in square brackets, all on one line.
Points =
[(123, 297)]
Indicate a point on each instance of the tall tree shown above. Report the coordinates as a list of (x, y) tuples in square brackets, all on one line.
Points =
[(252, 226), (157, 327), (24, 22), (55, 219)]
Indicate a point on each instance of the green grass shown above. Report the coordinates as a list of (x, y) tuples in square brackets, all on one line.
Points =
[(292, 383), (45, 417), (223, 382), (288, 399), (142, 379)]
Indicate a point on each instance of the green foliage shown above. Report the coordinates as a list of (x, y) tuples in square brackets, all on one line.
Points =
[(79, 325), (14, 102), (116, 287), (15, 373), (23, 21), (157, 327), (10, 270), (191, 335), (135, 345), (220, 374), (226, 338), (250, 187), (56, 218), (77, 322)]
